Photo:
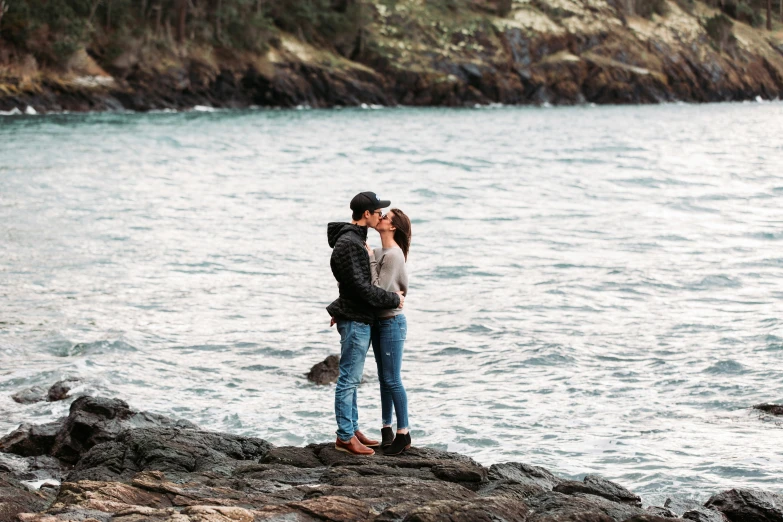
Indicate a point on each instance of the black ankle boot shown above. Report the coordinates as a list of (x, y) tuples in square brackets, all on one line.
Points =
[(400, 444), (387, 436)]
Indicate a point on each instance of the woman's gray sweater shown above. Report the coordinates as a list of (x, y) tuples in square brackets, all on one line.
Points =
[(389, 273)]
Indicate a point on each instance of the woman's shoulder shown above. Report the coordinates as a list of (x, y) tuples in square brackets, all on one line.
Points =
[(395, 252)]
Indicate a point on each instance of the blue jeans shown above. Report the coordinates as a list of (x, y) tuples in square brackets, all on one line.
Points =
[(354, 345), (388, 340)]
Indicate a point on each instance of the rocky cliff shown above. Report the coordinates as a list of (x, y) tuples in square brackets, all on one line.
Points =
[(540, 52)]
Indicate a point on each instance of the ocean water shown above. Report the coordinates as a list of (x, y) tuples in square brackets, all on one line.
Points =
[(593, 289)]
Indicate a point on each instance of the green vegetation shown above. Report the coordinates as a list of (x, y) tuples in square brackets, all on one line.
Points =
[(719, 30), (52, 30)]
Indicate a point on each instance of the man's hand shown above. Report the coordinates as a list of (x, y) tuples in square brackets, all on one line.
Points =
[(332, 322), (402, 299)]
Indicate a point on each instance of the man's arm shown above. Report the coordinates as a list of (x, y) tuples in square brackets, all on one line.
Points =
[(356, 278)]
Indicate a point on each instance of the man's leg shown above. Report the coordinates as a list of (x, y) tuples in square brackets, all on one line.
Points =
[(354, 344)]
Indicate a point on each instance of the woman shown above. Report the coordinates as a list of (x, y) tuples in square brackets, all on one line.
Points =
[(390, 328)]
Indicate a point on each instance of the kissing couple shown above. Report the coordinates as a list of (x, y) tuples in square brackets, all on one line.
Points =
[(373, 286)]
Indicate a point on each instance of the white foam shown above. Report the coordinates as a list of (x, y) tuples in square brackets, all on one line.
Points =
[(204, 108), (30, 110), (35, 485), (13, 112)]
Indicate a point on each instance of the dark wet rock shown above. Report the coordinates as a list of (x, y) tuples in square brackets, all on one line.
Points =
[(326, 371), (16, 498), (524, 474), (60, 389), (30, 395), (681, 505), (745, 505), (595, 485), (507, 488), (552, 505), (772, 409), (663, 512), (703, 514), (94, 420), (651, 518), (490, 509), (293, 456), (281, 473), (31, 440), (168, 449)]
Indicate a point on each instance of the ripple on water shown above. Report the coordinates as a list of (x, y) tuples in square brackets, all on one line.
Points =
[(728, 367)]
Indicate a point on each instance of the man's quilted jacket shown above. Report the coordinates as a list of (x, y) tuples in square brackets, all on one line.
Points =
[(350, 262)]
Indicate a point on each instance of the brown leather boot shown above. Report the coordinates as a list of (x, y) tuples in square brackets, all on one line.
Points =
[(354, 447), (364, 440)]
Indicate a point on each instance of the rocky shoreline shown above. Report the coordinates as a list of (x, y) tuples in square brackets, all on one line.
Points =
[(106, 462), (561, 52)]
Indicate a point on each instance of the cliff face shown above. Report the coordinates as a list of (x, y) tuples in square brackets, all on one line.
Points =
[(542, 51)]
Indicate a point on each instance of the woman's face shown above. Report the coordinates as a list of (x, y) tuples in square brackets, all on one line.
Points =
[(385, 222)]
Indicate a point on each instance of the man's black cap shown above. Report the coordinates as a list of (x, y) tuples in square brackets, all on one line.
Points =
[(368, 201)]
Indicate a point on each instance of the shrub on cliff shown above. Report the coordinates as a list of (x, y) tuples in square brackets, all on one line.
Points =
[(719, 29)]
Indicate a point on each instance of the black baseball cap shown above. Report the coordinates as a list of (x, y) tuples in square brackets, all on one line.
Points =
[(368, 201)]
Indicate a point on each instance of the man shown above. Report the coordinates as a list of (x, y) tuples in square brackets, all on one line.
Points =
[(354, 312)]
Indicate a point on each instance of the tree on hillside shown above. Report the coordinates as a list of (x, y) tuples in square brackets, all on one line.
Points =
[(769, 15)]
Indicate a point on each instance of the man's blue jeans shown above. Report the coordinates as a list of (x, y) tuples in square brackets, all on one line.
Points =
[(388, 341), (354, 345)]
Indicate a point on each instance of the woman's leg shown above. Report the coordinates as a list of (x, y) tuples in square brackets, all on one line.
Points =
[(392, 342), (386, 398)]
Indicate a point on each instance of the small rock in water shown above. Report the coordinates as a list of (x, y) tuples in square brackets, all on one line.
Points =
[(30, 395), (60, 389), (326, 371), (772, 409)]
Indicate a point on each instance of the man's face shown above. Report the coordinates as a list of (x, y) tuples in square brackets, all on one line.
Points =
[(374, 217)]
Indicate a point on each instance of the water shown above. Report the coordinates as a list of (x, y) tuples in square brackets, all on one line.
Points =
[(593, 289)]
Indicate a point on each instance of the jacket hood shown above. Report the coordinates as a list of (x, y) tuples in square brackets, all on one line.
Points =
[(335, 230)]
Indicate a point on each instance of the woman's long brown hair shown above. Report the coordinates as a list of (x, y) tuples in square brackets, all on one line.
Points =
[(402, 236)]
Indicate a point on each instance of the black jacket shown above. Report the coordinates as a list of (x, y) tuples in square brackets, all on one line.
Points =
[(350, 262)]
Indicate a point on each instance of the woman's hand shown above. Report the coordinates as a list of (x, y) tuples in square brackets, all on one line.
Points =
[(369, 250)]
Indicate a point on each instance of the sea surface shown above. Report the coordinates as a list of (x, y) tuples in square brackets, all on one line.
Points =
[(592, 289)]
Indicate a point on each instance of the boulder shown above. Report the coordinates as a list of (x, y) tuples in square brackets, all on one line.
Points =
[(30, 395), (524, 474), (595, 485), (326, 371), (507, 488), (94, 420), (31, 440), (746, 505)]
